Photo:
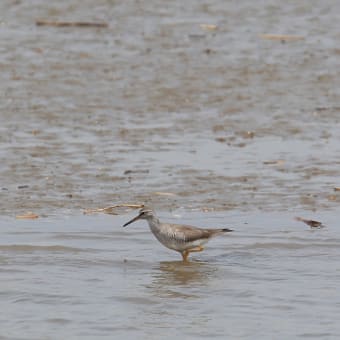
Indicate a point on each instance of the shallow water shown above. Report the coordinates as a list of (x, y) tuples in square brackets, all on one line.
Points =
[(88, 277), (216, 127)]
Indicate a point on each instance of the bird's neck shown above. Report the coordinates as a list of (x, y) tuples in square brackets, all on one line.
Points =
[(153, 223)]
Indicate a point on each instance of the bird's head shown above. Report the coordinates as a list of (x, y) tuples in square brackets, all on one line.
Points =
[(144, 214)]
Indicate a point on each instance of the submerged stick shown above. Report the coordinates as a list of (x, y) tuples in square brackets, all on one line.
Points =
[(70, 24), (281, 37)]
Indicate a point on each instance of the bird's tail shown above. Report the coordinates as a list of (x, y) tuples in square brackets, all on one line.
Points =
[(226, 230), (215, 232)]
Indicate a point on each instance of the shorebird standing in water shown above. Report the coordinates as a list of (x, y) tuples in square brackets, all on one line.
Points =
[(182, 238)]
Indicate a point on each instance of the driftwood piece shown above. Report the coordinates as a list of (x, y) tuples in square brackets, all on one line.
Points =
[(27, 216), (312, 223), (110, 209)]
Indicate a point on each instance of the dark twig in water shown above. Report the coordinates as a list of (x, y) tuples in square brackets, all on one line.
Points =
[(71, 24)]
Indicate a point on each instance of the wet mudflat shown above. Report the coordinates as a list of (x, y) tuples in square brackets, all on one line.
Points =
[(200, 110)]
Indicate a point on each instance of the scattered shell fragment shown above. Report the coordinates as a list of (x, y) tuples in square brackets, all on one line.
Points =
[(207, 209), (159, 193), (221, 139), (247, 134), (208, 27), (332, 198)]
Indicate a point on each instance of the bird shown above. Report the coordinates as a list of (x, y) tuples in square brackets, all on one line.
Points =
[(184, 239)]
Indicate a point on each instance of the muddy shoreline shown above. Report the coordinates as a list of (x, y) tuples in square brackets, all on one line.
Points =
[(219, 117)]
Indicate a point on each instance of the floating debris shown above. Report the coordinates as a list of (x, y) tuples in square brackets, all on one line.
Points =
[(71, 24), (196, 36), (111, 209), (128, 172), (208, 27), (27, 216), (274, 162), (281, 37), (332, 198), (246, 134), (23, 186), (159, 193), (221, 139), (311, 223)]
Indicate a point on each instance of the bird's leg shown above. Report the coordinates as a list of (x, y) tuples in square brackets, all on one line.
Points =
[(185, 254), (196, 249)]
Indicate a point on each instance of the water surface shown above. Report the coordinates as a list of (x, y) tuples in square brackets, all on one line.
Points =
[(90, 278), (212, 127)]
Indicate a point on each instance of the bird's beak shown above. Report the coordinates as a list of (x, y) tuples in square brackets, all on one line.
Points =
[(133, 220)]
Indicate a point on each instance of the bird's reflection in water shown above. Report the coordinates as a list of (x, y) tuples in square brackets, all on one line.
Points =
[(181, 279)]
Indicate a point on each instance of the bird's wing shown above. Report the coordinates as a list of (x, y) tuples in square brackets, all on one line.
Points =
[(188, 233)]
